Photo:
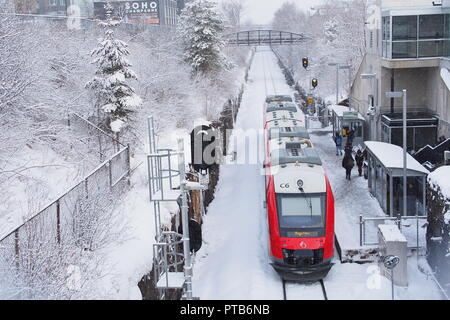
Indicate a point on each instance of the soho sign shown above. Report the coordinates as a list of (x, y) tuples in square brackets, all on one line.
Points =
[(141, 6)]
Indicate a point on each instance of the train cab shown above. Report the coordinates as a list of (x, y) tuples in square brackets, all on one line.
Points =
[(300, 208)]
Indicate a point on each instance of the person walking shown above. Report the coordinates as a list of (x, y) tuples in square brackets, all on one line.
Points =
[(359, 158), (350, 137), (348, 163), (338, 142)]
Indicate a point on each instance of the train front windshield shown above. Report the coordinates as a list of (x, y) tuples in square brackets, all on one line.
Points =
[(301, 214)]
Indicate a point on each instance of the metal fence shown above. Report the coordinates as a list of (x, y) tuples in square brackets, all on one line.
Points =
[(371, 224), (95, 138), (61, 221)]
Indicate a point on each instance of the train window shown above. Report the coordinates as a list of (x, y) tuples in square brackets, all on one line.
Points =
[(301, 211)]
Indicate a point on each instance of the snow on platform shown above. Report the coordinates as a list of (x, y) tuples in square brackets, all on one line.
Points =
[(352, 281), (352, 198)]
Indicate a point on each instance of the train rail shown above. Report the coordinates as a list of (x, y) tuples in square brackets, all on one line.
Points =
[(307, 291)]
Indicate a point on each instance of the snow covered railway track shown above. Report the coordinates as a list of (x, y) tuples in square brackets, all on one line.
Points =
[(268, 75), (296, 291)]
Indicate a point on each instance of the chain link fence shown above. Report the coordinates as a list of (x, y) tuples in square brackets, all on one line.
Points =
[(71, 218)]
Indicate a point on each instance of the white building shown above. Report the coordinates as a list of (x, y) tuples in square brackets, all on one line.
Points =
[(408, 48)]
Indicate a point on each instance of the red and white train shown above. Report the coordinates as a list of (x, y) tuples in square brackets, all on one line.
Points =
[(300, 203)]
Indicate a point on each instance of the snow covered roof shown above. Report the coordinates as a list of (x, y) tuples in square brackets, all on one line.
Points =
[(339, 110), (440, 178), (391, 156)]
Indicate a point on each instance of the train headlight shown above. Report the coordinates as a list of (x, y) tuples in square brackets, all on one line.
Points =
[(300, 183)]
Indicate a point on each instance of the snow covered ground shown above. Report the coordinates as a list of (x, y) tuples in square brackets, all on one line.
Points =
[(42, 176), (233, 262), (352, 198)]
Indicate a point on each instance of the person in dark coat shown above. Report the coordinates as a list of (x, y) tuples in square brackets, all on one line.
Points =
[(338, 142), (359, 158), (348, 163), (351, 136)]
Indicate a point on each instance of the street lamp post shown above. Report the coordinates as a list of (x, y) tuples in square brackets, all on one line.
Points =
[(372, 76), (398, 95)]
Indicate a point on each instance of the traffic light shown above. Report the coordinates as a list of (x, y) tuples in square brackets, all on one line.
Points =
[(305, 63), (314, 83)]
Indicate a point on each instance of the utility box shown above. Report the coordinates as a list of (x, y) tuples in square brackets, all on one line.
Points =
[(393, 242)]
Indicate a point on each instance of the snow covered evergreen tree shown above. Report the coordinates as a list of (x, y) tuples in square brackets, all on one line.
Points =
[(200, 29), (113, 95)]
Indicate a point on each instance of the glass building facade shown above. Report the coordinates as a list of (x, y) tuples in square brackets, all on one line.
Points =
[(422, 129), (416, 36)]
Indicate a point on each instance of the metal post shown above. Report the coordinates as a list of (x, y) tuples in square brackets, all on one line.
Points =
[(337, 83), (110, 173), (17, 248), (349, 86), (417, 230), (185, 223), (58, 222), (404, 159), (392, 284), (360, 230), (129, 164)]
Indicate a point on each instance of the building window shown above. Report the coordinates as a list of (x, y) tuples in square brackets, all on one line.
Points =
[(404, 50), (404, 28), (431, 26), (431, 48), (418, 36)]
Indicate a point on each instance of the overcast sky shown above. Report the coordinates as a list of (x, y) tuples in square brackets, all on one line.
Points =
[(261, 11)]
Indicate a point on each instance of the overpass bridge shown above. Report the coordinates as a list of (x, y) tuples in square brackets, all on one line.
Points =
[(264, 37)]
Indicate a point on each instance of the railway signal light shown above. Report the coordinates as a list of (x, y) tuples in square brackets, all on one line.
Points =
[(305, 63), (314, 83)]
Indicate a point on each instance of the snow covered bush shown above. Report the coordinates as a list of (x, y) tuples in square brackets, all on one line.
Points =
[(438, 232)]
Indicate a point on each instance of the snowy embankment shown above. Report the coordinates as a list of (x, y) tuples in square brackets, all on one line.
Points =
[(129, 259)]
